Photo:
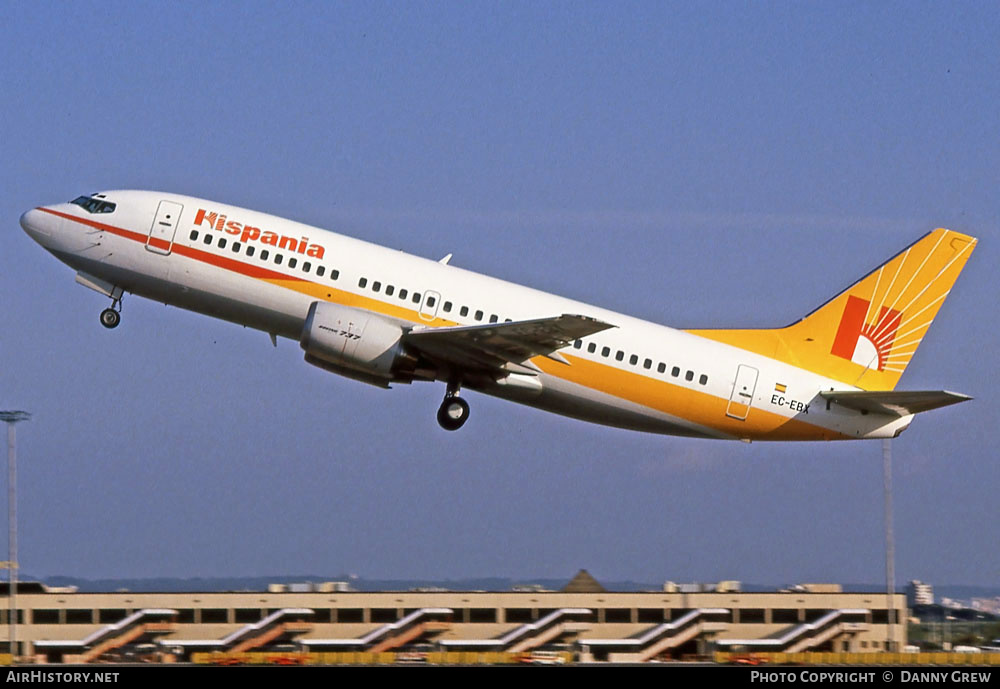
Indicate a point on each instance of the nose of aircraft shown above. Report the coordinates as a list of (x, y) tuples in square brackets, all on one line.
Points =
[(33, 222)]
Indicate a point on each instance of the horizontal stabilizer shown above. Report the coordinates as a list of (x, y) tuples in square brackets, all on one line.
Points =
[(894, 403)]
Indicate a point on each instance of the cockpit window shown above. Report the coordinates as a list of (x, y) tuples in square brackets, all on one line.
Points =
[(92, 205)]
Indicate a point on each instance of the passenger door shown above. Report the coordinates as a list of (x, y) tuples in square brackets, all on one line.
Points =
[(161, 233), (742, 397)]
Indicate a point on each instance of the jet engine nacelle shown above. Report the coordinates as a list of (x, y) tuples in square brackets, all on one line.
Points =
[(354, 343)]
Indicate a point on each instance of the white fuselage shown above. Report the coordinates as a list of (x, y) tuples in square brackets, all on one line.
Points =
[(637, 375)]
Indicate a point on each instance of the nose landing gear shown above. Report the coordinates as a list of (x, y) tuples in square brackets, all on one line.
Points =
[(454, 411), (111, 317)]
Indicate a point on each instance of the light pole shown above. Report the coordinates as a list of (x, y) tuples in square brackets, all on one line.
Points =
[(11, 418), (890, 547)]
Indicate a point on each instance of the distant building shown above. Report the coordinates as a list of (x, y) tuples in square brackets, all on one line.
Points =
[(728, 586), (919, 593), (311, 587), (529, 588), (595, 625), (815, 588), (987, 605), (583, 582)]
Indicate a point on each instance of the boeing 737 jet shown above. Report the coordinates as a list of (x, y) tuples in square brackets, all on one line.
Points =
[(382, 316)]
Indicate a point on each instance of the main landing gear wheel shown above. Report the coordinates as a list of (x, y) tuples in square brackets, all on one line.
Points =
[(453, 413), (110, 318)]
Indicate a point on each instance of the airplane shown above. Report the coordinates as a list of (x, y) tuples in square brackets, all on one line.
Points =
[(382, 316)]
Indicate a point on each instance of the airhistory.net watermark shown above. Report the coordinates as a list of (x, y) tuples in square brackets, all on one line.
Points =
[(48, 676)]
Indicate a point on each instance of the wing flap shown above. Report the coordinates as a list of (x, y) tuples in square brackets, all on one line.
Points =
[(894, 402), (503, 345)]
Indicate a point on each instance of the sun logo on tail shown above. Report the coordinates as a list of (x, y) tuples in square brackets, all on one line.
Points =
[(873, 331), (867, 344)]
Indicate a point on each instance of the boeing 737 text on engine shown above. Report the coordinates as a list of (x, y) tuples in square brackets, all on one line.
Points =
[(381, 316)]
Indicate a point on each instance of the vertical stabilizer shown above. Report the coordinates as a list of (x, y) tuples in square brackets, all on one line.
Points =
[(867, 334)]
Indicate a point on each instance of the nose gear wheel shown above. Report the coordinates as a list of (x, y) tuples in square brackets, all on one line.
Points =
[(110, 318)]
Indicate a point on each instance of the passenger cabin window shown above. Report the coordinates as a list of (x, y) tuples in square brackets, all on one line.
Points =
[(363, 282), (464, 311), (619, 355), (661, 367), (236, 247), (292, 262), (334, 274), (431, 301), (222, 242), (94, 205), (633, 359), (479, 315), (320, 270), (703, 379), (389, 290), (207, 239), (494, 318), (675, 371), (194, 235), (447, 307), (592, 347), (251, 249), (264, 253), (277, 259), (689, 376), (605, 351), (377, 286)]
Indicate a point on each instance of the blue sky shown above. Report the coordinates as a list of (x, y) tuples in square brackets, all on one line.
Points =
[(695, 164)]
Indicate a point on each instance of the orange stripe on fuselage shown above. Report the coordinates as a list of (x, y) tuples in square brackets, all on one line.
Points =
[(684, 403), (699, 407), (184, 250)]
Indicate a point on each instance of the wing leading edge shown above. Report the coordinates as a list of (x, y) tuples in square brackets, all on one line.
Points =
[(506, 346)]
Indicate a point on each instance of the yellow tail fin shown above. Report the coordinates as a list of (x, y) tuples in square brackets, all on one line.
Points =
[(867, 334)]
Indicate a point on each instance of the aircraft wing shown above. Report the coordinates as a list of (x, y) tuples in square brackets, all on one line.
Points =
[(893, 402), (506, 346)]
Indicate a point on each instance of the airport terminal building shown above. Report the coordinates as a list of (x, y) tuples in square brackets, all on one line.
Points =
[(582, 621)]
